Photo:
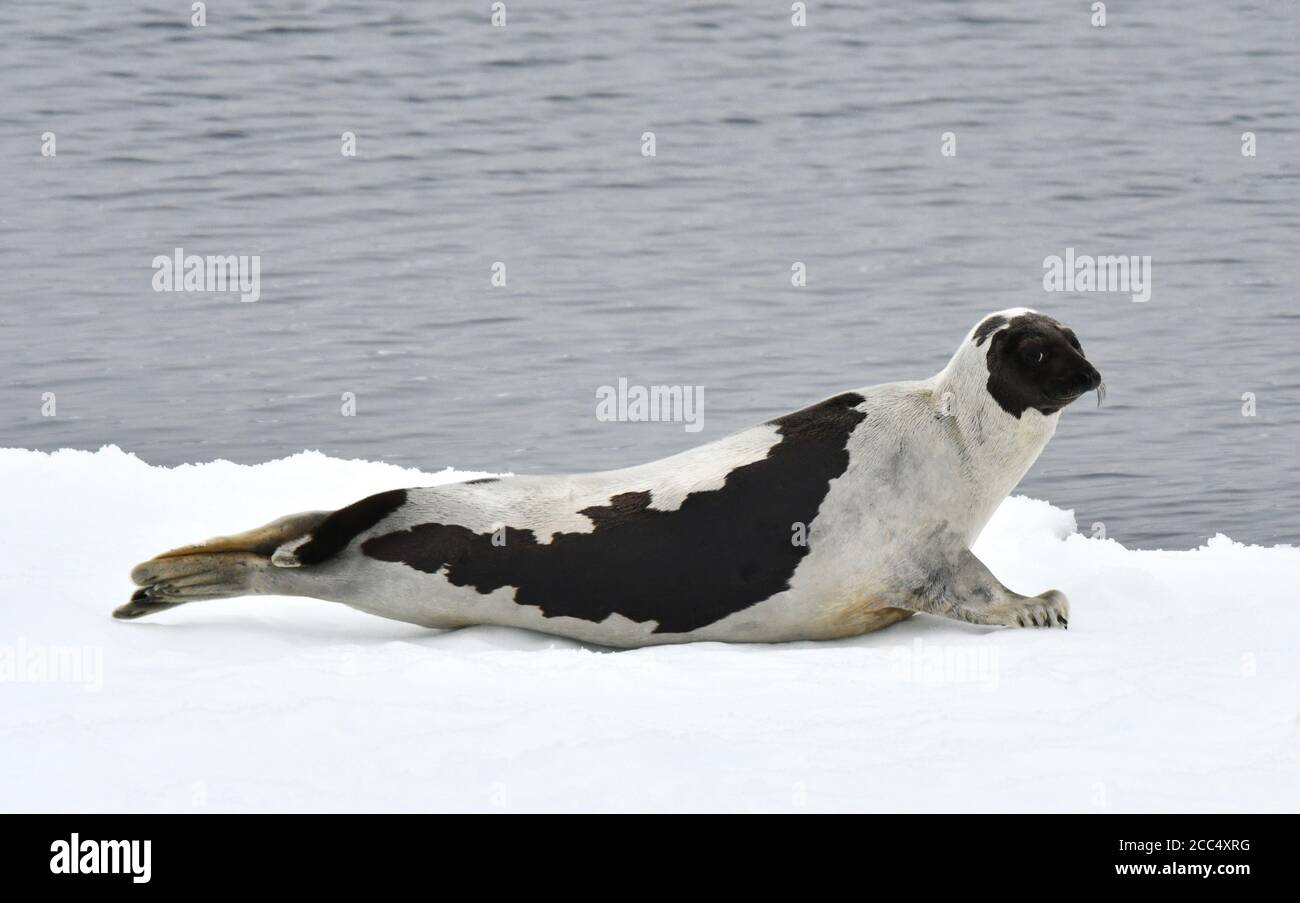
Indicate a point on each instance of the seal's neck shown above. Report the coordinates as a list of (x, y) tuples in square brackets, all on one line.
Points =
[(998, 446)]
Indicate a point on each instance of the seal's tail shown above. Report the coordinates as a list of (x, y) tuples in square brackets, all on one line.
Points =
[(238, 565)]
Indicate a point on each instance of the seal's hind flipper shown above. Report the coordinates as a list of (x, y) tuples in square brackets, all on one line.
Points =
[(141, 604), (220, 568), (261, 540)]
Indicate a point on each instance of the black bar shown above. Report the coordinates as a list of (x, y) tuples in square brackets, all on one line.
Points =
[(335, 852)]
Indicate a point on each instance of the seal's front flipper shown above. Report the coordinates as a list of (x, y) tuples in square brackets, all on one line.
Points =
[(1049, 609), (238, 565), (963, 588)]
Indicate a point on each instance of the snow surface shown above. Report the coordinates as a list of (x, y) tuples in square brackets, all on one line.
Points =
[(1175, 688)]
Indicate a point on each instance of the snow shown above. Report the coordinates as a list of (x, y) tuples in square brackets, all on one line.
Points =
[(1175, 688)]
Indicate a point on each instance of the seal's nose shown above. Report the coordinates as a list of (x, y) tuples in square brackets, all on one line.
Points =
[(1091, 377)]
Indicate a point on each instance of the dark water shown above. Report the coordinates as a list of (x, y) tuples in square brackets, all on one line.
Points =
[(774, 144)]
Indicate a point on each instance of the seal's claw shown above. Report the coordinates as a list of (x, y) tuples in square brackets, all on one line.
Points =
[(1051, 609)]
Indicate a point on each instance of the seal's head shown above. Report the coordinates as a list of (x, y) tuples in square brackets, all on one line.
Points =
[(1034, 362)]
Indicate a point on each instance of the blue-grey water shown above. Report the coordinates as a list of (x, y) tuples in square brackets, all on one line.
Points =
[(774, 144)]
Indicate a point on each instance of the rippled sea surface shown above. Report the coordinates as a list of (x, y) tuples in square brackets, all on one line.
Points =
[(774, 144)]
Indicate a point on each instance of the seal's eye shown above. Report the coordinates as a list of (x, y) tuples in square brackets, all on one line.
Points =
[(1033, 354)]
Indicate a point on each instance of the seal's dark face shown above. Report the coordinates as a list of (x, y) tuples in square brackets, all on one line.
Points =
[(1034, 362)]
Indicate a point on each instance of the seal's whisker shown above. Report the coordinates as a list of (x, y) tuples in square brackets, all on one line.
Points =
[(1101, 393)]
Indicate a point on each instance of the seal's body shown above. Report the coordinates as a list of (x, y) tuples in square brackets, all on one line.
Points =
[(837, 519)]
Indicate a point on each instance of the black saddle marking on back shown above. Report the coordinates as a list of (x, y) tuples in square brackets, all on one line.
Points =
[(722, 551), (340, 528)]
